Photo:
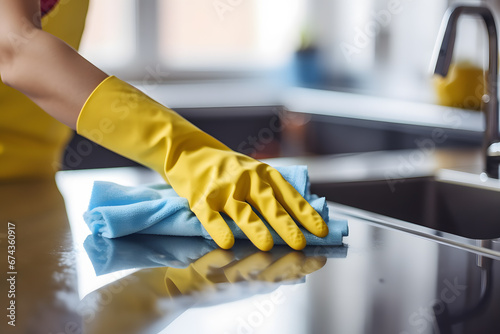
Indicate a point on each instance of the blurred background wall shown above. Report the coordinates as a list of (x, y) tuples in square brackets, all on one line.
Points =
[(375, 47), (193, 55)]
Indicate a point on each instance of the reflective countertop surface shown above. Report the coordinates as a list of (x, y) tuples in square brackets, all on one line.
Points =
[(382, 280)]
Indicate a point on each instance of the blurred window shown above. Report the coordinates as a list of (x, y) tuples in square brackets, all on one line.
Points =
[(377, 47), (109, 38), (128, 36)]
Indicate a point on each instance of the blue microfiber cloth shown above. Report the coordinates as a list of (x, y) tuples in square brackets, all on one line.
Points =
[(116, 210)]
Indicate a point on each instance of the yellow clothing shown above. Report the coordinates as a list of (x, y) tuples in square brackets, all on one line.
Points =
[(31, 141)]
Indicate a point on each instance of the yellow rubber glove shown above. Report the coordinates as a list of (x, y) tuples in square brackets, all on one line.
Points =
[(212, 177)]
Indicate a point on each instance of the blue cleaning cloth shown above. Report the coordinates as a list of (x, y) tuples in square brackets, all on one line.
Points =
[(116, 210)]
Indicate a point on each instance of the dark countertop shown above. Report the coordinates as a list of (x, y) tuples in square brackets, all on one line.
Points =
[(381, 281)]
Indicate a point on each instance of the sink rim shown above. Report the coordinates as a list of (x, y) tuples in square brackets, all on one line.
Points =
[(467, 179), (460, 166), (476, 246)]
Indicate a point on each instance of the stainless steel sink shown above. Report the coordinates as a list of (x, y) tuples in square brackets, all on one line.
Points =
[(463, 204)]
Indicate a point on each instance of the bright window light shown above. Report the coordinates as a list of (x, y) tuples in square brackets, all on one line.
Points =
[(109, 37), (225, 34)]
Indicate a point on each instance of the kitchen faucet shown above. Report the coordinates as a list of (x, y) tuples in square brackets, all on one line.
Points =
[(442, 61)]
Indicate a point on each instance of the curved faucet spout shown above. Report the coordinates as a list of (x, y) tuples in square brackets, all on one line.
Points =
[(442, 60)]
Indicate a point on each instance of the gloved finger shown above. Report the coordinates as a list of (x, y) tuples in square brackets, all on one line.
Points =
[(248, 268), (211, 265), (185, 281), (288, 267), (313, 263), (200, 275), (274, 213), (216, 226), (171, 289), (217, 258), (296, 205), (253, 227), (293, 265)]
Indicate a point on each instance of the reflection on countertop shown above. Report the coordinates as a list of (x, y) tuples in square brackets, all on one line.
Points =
[(42, 260), (177, 273), (381, 281)]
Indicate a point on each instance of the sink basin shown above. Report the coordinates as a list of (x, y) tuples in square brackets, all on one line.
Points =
[(463, 204)]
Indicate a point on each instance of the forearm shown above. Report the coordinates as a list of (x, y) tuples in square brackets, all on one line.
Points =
[(48, 71)]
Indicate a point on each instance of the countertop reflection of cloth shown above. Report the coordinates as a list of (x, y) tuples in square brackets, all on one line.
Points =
[(153, 251), (116, 211), (179, 273)]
